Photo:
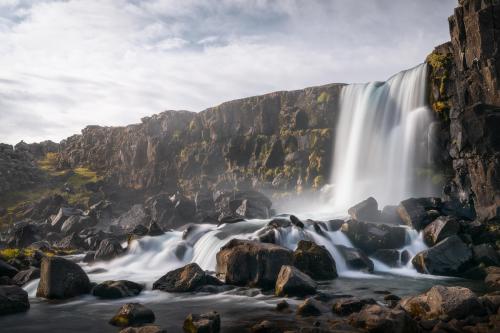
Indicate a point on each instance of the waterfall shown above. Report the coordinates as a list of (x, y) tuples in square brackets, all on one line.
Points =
[(381, 140)]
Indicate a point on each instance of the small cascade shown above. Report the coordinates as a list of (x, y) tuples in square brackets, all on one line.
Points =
[(381, 141), (151, 257)]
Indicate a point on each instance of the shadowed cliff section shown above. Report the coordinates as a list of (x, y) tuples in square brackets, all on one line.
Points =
[(465, 92), (281, 140)]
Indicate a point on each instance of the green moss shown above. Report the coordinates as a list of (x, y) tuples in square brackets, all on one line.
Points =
[(438, 60), (324, 97)]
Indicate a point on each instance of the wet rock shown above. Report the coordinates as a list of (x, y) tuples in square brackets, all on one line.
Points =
[(413, 214), (160, 208), (202, 323), (13, 299), (492, 279), (117, 289), (355, 259), (63, 214), (76, 223), (310, 307), (184, 279), (244, 262), (439, 229), (154, 230), (89, 257), (6, 281), (486, 254), (448, 257), (314, 260), (25, 276), (296, 221), (292, 282), (282, 305), (390, 215), (144, 329), (366, 210), (108, 249), (405, 257), (71, 242), (7, 269), (139, 230), (376, 318), (23, 235), (346, 306), (390, 257), (265, 326), (61, 278), (370, 237), (132, 314), (453, 302), (267, 235)]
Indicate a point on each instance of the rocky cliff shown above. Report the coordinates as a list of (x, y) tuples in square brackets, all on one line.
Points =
[(465, 91), (281, 140)]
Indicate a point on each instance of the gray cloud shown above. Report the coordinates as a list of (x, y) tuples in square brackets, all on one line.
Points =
[(66, 64)]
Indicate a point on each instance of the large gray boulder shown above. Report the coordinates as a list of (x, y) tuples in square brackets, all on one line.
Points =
[(355, 259), (439, 229), (314, 260), (132, 314), (370, 237), (63, 214), (292, 282), (108, 249), (13, 299), (76, 223), (117, 289), (187, 278), (7, 269), (413, 213), (61, 278), (448, 257), (454, 302), (26, 275), (376, 318), (244, 262), (203, 323), (366, 210)]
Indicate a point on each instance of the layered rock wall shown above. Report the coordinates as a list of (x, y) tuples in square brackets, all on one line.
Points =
[(281, 140)]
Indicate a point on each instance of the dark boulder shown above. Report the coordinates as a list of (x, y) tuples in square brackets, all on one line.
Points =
[(188, 278), (355, 259), (244, 262), (139, 230), (296, 221), (266, 326), (346, 306), (370, 237), (154, 230), (310, 307), (7, 269), (71, 242), (76, 223), (26, 275), (202, 323), (314, 260), (492, 279), (390, 257), (160, 208), (376, 318), (109, 248), (61, 278), (366, 210), (184, 209), (390, 215), (23, 234), (64, 213), (486, 254), (292, 282), (117, 289), (132, 314), (439, 229), (413, 213), (448, 257), (454, 302), (13, 299)]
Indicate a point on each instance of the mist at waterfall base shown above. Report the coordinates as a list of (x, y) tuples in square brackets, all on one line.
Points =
[(380, 144)]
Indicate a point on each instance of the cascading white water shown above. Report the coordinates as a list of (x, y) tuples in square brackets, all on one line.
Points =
[(381, 140)]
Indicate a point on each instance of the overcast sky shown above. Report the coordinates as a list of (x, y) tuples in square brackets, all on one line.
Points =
[(68, 64)]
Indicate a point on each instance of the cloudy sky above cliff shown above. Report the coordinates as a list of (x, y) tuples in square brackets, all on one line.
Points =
[(68, 64)]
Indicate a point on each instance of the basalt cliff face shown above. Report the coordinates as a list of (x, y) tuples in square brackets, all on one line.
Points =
[(281, 140), (465, 91)]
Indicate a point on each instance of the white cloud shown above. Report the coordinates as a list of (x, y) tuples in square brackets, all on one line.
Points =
[(67, 64)]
